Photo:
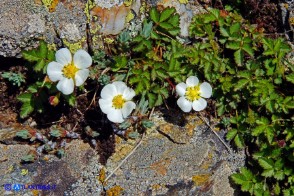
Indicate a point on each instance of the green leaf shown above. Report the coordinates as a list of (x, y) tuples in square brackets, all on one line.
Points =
[(166, 25), (224, 32), (241, 84), (231, 134), (233, 45), (30, 56), (43, 49), (238, 178), (174, 20), (247, 173), (166, 13), (154, 15), (266, 163), (39, 65), (26, 109), (235, 28), (239, 141), (151, 99), (248, 48), (25, 97), (238, 56), (290, 78)]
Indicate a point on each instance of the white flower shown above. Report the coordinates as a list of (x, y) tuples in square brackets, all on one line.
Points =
[(191, 94), (69, 71), (115, 101)]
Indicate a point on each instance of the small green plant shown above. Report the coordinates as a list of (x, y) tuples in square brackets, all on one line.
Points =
[(15, 78)]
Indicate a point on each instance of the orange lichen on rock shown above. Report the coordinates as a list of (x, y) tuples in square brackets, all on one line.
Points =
[(113, 19), (201, 179), (160, 167), (114, 191)]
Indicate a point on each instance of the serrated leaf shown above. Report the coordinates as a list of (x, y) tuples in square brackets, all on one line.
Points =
[(39, 65), (174, 31), (161, 73), (241, 84), (231, 134), (239, 141), (233, 45), (268, 173), (166, 25), (166, 13), (25, 97), (248, 48), (174, 20), (290, 78), (266, 163), (151, 99), (238, 178), (154, 15), (26, 109), (42, 50), (30, 56), (235, 28), (238, 56), (224, 32), (247, 173)]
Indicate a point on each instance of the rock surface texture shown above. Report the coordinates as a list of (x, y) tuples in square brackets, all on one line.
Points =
[(168, 160), (75, 23)]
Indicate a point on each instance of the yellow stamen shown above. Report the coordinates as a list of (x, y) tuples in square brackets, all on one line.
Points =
[(192, 93), (118, 102), (70, 70)]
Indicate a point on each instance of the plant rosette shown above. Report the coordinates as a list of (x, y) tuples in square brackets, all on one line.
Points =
[(116, 101), (192, 93), (69, 71)]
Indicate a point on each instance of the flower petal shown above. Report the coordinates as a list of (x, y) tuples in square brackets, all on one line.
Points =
[(63, 56), (66, 86), (128, 94), (105, 105), (54, 71), (115, 116), (205, 90), (184, 104), (108, 92), (199, 104), (81, 76), (82, 59), (192, 81), (128, 108), (181, 89), (120, 86)]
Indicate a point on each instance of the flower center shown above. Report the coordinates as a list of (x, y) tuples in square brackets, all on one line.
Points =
[(70, 70), (192, 93), (118, 102)]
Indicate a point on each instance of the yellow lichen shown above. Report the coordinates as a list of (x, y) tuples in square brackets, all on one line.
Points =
[(128, 2), (130, 16), (143, 7), (52, 47), (102, 176), (109, 40), (184, 1), (291, 21), (24, 172), (50, 4), (114, 191), (201, 179), (88, 7), (73, 47)]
